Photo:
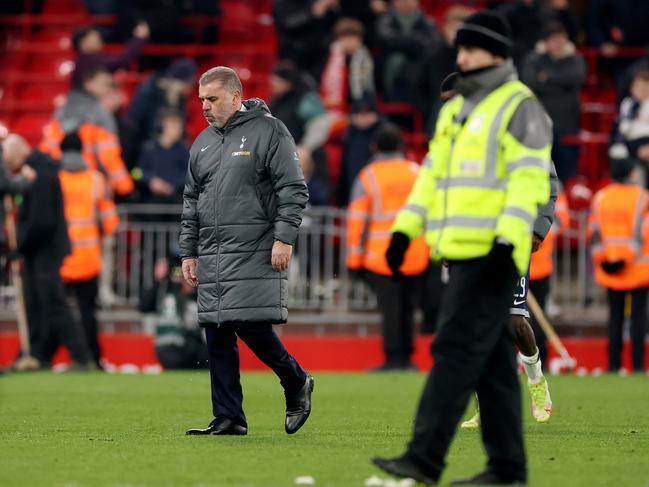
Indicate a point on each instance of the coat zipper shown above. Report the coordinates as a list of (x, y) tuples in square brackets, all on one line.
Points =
[(218, 240)]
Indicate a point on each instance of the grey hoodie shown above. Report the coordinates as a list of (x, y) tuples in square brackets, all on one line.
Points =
[(244, 189)]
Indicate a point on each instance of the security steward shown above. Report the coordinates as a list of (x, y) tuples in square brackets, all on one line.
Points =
[(84, 113), (379, 192), (242, 206), (476, 199), (619, 235), (90, 215)]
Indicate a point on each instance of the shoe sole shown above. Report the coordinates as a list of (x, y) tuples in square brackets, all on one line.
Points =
[(311, 387)]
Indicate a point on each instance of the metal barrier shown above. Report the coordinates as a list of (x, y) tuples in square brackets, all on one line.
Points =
[(319, 280)]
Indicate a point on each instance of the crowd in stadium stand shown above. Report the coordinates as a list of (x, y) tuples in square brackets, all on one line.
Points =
[(338, 62)]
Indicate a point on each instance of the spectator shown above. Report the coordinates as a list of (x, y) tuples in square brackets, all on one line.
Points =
[(43, 242), (631, 134), (179, 342), (163, 162), (114, 101), (303, 30), (437, 66), (404, 35), (318, 190), (84, 113), (162, 90), (559, 11), (367, 12), (364, 120), (379, 192), (88, 45), (524, 17), (349, 73), (614, 24), (295, 102), (556, 72)]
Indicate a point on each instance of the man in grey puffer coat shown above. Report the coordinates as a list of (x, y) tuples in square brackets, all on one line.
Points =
[(242, 207)]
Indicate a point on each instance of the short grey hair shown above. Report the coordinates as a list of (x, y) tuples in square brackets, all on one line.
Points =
[(228, 78)]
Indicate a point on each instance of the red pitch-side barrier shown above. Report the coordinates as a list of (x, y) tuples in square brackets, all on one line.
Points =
[(331, 353)]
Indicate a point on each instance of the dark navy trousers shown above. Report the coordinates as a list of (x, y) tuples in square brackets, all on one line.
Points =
[(223, 353)]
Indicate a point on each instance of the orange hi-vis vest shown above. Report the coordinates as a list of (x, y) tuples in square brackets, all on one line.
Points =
[(101, 149), (379, 192), (619, 231), (87, 205), (542, 263)]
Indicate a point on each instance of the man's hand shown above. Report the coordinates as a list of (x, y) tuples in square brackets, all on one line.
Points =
[(536, 242), (161, 269), (28, 173), (643, 152), (189, 271), (280, 256)]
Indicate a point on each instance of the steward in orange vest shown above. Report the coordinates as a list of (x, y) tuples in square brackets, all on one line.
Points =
[(379, 192), (84, 114), (90, 214), (619, 237)]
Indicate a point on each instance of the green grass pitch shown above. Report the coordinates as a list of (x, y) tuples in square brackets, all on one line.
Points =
[(78, 430)]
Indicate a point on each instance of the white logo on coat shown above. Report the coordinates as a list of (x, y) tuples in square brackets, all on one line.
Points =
[(243, 141)]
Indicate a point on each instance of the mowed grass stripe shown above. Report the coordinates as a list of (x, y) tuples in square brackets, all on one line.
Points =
[(122, 430)]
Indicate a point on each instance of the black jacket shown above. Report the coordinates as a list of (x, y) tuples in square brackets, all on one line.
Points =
[(41, 219), (244, 190)]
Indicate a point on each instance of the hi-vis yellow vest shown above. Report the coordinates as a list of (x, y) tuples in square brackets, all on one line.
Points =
[(478, 182)]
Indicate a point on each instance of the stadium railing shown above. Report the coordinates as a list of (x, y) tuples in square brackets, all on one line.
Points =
[(319, 280)]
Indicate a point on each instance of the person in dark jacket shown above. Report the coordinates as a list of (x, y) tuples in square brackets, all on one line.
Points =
[(164, 90), (242, 207), (364, 121), (163, 161), (88, 44), (43, 242), (303, 31), (404, 34), (556, 72)]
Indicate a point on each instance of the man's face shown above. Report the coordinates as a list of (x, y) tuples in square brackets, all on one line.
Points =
[(99, 86), (172, 128), (350, 44), (470, 58), (405, 7), (91, 43), (556, 44), (219, 103)]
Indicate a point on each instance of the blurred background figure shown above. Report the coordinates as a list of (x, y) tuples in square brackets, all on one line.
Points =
[(179, 342), (91, 216), (349, 73), (295, 101), (84, 113), (303, 29), (379, 192), (631, 134), (619, 235), (88, 45), (437, 65), (166, 89), (405, 35), (43, 243), (364, 121), (556, 73), (163, 161)]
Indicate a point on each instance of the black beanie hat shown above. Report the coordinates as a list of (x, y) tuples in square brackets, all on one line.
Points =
[(621, 168), (486, 30)]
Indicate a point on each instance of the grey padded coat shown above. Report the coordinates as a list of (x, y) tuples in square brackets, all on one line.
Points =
[(244, 189)]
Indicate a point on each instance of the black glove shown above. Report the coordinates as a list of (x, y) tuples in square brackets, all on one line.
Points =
[(612, 266), (497, 264), (396, 251)]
